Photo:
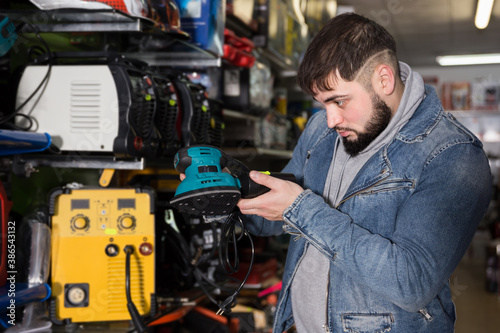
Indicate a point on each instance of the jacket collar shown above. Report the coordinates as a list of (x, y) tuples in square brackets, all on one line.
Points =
[(425, 118)]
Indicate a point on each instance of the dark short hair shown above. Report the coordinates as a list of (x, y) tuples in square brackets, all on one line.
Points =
[(343, 45)]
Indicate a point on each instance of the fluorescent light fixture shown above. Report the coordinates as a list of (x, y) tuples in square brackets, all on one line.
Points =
[(469, 59), (483, 13)]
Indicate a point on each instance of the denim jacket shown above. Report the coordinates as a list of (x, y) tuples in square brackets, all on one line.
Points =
[(401, 229)]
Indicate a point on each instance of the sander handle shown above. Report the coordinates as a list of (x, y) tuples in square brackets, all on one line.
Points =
[(182, 160), (250, 189)]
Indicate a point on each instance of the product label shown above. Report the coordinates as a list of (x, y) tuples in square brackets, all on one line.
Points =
[(232, 82)]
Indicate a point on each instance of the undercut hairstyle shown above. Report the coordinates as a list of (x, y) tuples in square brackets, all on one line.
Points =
[(349, 46)]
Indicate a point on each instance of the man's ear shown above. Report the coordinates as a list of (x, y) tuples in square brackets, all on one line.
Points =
[(383, 80)]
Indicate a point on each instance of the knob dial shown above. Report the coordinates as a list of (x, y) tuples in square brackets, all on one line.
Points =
[(80, 222), (126, 222)]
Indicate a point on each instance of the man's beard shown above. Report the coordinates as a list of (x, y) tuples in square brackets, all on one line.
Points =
[(382, 115)]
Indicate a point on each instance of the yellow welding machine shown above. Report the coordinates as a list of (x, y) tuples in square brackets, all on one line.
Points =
[(90, 229)]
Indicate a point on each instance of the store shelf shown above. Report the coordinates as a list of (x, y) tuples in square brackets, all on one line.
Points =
[(238, 26), (78, 20), (166, 48), (239, 115), (277, 59), (275, 153), (25, 164), (247, 151), (180, 54), (187, 59)]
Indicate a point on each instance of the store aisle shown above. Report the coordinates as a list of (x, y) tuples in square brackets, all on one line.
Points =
[(477, 309)]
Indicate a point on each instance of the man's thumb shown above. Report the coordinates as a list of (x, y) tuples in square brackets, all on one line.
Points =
[(259, 177)]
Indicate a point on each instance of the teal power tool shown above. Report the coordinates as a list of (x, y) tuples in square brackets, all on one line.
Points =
[(8, 35), (214, 182)]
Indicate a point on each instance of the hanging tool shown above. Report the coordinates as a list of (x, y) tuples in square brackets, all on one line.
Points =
[(8, 35)]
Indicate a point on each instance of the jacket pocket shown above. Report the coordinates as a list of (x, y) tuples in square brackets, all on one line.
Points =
[(367, 323), (390, 185)]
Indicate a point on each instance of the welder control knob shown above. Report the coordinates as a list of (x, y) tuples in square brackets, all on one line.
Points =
[(127, 222), (76, 295), (80, 222)]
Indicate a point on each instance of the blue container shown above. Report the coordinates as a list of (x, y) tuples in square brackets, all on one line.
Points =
[(19, 142), (204, 20)]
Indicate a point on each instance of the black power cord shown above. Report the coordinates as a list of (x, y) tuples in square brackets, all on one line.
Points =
[(132, 309), (40, 85), (229, 238), (229, 235)]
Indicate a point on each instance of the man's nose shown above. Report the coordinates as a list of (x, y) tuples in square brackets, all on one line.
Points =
[(334, 117)]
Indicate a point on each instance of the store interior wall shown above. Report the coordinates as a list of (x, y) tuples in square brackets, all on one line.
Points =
[(459, 73)]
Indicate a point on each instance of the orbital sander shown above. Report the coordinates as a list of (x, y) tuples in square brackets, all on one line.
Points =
[(214, 181)]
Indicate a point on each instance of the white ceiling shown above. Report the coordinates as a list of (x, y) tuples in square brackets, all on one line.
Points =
[(425, 29)]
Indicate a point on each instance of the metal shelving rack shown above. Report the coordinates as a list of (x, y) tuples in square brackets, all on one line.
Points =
[(29, 162), (71, 20), (180, 54), (176, 50), (246, 150)]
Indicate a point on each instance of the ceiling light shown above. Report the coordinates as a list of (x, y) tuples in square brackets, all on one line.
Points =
[(469, 59), (483, 13)]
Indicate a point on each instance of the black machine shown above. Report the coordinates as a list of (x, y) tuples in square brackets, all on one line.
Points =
[(108, 103)]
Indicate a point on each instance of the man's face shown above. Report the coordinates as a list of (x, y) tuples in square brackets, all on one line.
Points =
[(357, 115)]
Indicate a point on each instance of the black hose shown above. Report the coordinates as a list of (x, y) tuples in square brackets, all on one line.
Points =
[(132, 309)]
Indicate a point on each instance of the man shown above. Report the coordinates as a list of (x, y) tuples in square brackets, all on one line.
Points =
[(389, 193)]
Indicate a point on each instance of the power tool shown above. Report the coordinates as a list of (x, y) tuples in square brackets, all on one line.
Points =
[(214, 182), (8, 35)]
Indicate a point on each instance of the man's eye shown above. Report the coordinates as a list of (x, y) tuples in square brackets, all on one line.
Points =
[(340, 103)]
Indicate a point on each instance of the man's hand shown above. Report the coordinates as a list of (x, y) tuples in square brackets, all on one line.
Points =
[(272, 204)]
